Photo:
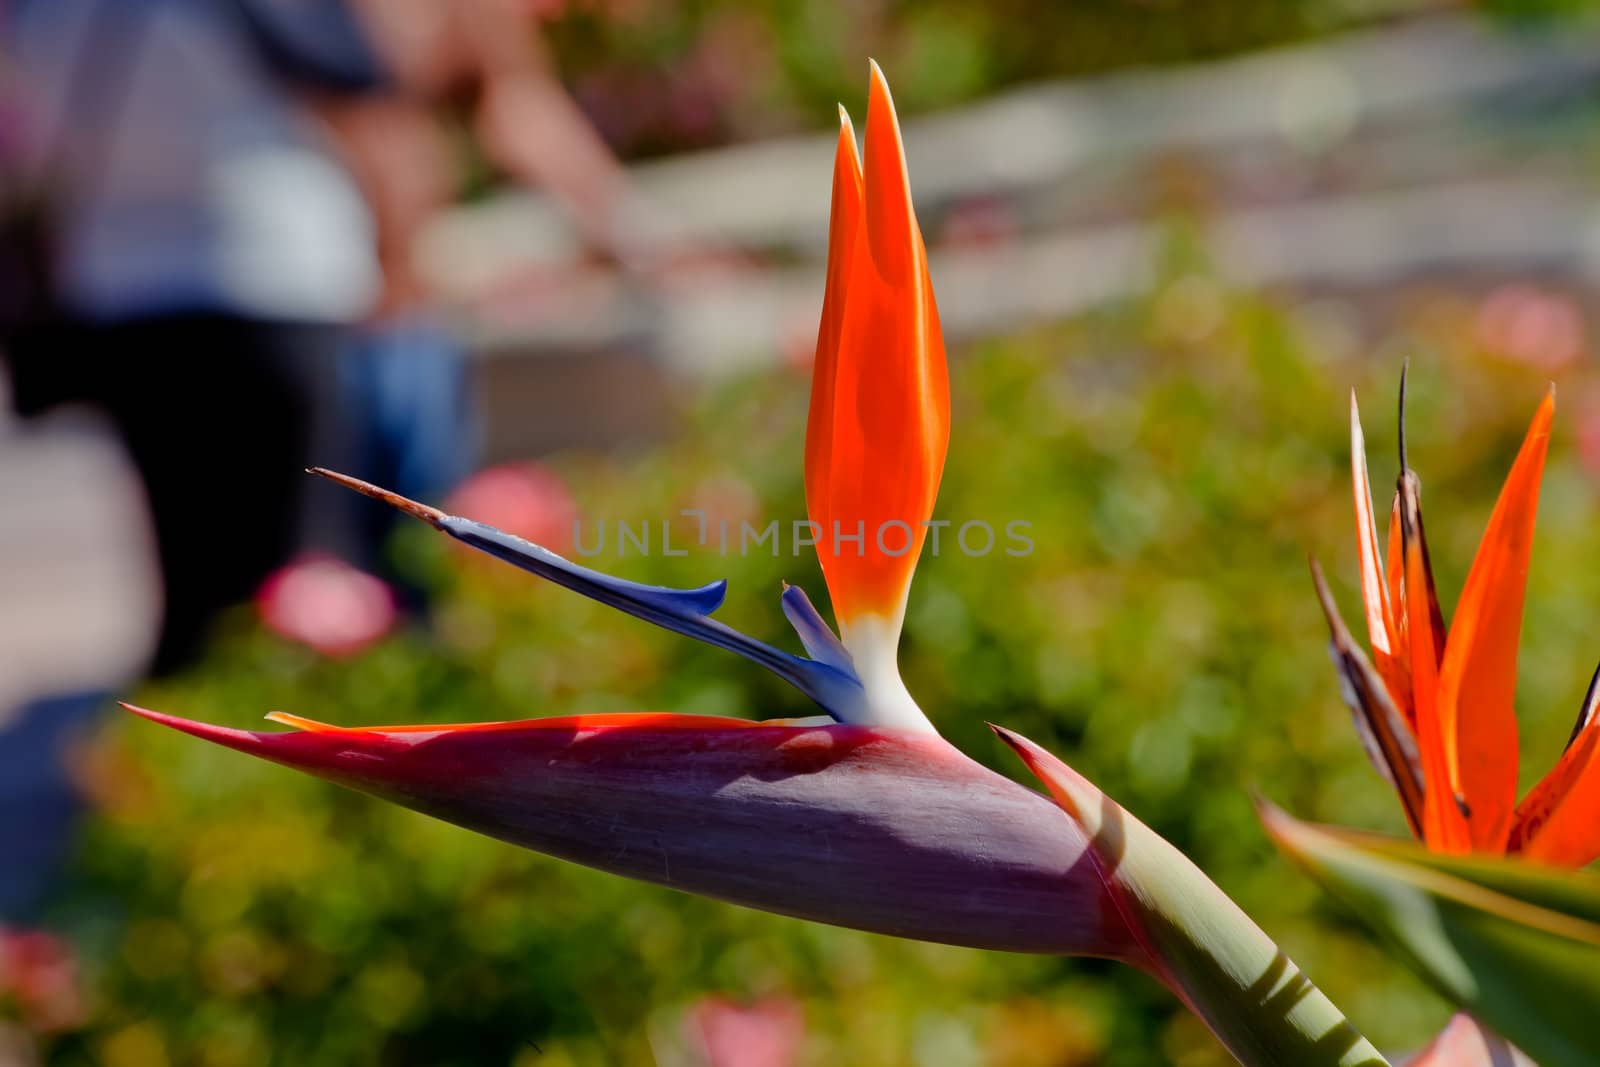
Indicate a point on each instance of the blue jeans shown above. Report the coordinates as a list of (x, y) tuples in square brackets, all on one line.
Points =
[(39, 803)]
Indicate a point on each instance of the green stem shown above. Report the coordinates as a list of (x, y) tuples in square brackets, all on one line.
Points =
[(1199, 942), (1233, 976)]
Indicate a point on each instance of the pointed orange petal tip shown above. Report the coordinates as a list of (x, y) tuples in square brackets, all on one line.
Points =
[(1380, 603), (1478, 676), (891, 222), (1374, 597), (283, 718), (227, 736), (844, 221), (1076, 795)]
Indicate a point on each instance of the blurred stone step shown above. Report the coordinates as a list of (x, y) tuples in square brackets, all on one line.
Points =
[(1501, 227), (1277, 106)]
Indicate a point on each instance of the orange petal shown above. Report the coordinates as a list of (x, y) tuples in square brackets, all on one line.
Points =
[(876, 445), (1395, 571), (1432, 617), (1389, 744), (1408, 511), (1380, 619), (1444, 828), (843, 221), (1382, 629), (1478, 678), (1558, 822)]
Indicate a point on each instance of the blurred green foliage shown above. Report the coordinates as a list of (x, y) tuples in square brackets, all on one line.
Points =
[(658, 77), (1177, 458)]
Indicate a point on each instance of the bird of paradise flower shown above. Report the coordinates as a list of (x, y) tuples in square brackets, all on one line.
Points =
[(1435, 704), (867, 818)]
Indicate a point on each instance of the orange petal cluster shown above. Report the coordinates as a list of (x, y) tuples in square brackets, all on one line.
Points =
[(1451, 690), (880, 398)]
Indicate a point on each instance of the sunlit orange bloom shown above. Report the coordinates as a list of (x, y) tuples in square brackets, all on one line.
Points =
[(1436, 704), (880, 400)]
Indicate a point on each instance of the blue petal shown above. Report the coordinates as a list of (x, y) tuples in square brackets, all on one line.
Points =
[(815, 634), (829, 680)]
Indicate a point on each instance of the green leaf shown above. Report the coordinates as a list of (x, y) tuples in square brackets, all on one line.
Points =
[(1516, 945), (1197, 941)]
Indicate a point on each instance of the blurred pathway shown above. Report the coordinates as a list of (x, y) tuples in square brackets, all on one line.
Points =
[(1439, 145)]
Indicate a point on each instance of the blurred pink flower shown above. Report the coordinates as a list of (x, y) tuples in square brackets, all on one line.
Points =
[(724, 501), (39, 977), (1527, 325), (527, 499), (1465, 1043), (1589, 432), (766, 1033), (326, 604)]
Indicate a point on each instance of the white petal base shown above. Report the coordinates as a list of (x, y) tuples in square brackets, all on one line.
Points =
[(873, 642)]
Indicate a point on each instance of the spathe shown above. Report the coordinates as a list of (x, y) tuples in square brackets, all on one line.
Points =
[(891, 831)]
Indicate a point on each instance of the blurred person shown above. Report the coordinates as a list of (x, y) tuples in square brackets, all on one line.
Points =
[(210, 254), (196, 255), (406, 369), (489, 57)]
